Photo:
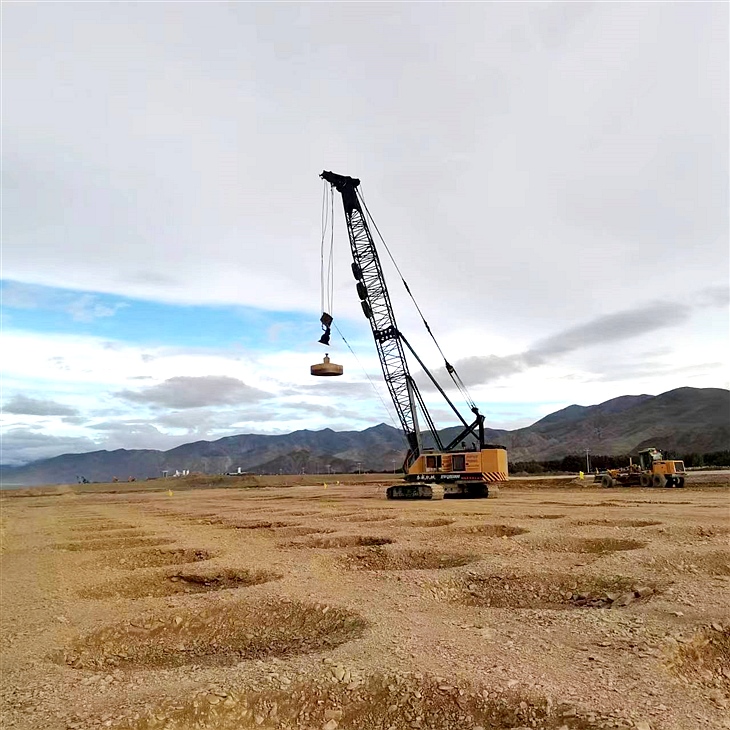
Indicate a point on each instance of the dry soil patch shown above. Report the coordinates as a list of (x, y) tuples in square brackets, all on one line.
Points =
[(706, 658), (715, 562)]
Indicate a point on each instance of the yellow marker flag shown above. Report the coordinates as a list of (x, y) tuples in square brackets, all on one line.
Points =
[(324, 484), (169, 492), (581, 475)]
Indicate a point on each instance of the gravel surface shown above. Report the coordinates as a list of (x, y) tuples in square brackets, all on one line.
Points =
[(555, 605)]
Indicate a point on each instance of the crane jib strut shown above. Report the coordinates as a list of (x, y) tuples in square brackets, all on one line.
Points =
[(389, 341)]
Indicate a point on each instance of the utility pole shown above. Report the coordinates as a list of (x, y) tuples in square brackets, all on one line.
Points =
[(588, 462)]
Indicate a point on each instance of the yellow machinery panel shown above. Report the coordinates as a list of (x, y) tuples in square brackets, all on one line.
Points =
[(492, 463), (668, 467)]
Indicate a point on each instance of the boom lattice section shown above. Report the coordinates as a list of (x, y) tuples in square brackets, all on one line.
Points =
[(376, 304)]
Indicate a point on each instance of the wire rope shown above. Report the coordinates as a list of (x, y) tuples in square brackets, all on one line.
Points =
[(331, 259), (449, 367), (321, 247)]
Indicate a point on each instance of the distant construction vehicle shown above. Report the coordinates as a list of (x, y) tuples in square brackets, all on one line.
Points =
[(651, 471)]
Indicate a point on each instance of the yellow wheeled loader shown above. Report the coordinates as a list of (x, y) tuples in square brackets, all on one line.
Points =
[(651, 471)]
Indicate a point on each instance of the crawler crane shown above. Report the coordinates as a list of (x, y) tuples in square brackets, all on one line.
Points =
[(463, 471)]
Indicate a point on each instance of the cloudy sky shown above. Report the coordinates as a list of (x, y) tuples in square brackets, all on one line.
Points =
[(551, 178)]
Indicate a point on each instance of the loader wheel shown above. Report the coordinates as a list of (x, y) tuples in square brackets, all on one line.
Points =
[(679, 482), (671, 482), (656, 480), (607, 481), (645, 480)]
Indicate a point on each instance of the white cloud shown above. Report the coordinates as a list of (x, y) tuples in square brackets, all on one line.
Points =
[(24, 405), (87, 308), (21, 445), (551, 152), (195, 392), (552, 165)]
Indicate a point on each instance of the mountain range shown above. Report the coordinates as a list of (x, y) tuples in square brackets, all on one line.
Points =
[(682, 420)]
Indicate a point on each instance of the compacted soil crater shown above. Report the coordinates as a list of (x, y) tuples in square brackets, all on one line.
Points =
[(341, 541), (218, 635), (618, 523), (437, 522), (377, 702), (597, 545), (371, 518), (171, 584), (379, 558), (111, 535), (124, 543), (154, 558), (548, 591), (297, 531), (258, 524), (104, 526), (490, 530)]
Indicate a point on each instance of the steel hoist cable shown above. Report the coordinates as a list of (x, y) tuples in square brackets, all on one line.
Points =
[(326, 270), (449, 367), (325, 212)]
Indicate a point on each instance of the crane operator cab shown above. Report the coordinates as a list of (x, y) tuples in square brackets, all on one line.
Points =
[(647, 457)]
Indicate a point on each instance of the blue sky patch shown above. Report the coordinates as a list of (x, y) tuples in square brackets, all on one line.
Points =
[(53, 310)]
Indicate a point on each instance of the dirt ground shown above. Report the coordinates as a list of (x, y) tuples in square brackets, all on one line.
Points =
[(555, 605)]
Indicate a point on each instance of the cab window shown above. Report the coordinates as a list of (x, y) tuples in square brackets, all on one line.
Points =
[(458, 462), (433, 462)]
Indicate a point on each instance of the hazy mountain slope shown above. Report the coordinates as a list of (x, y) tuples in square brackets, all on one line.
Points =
[(682, 420), (94, 465), (374, 446)]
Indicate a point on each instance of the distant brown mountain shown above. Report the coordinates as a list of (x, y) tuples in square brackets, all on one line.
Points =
[(682, 420)]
